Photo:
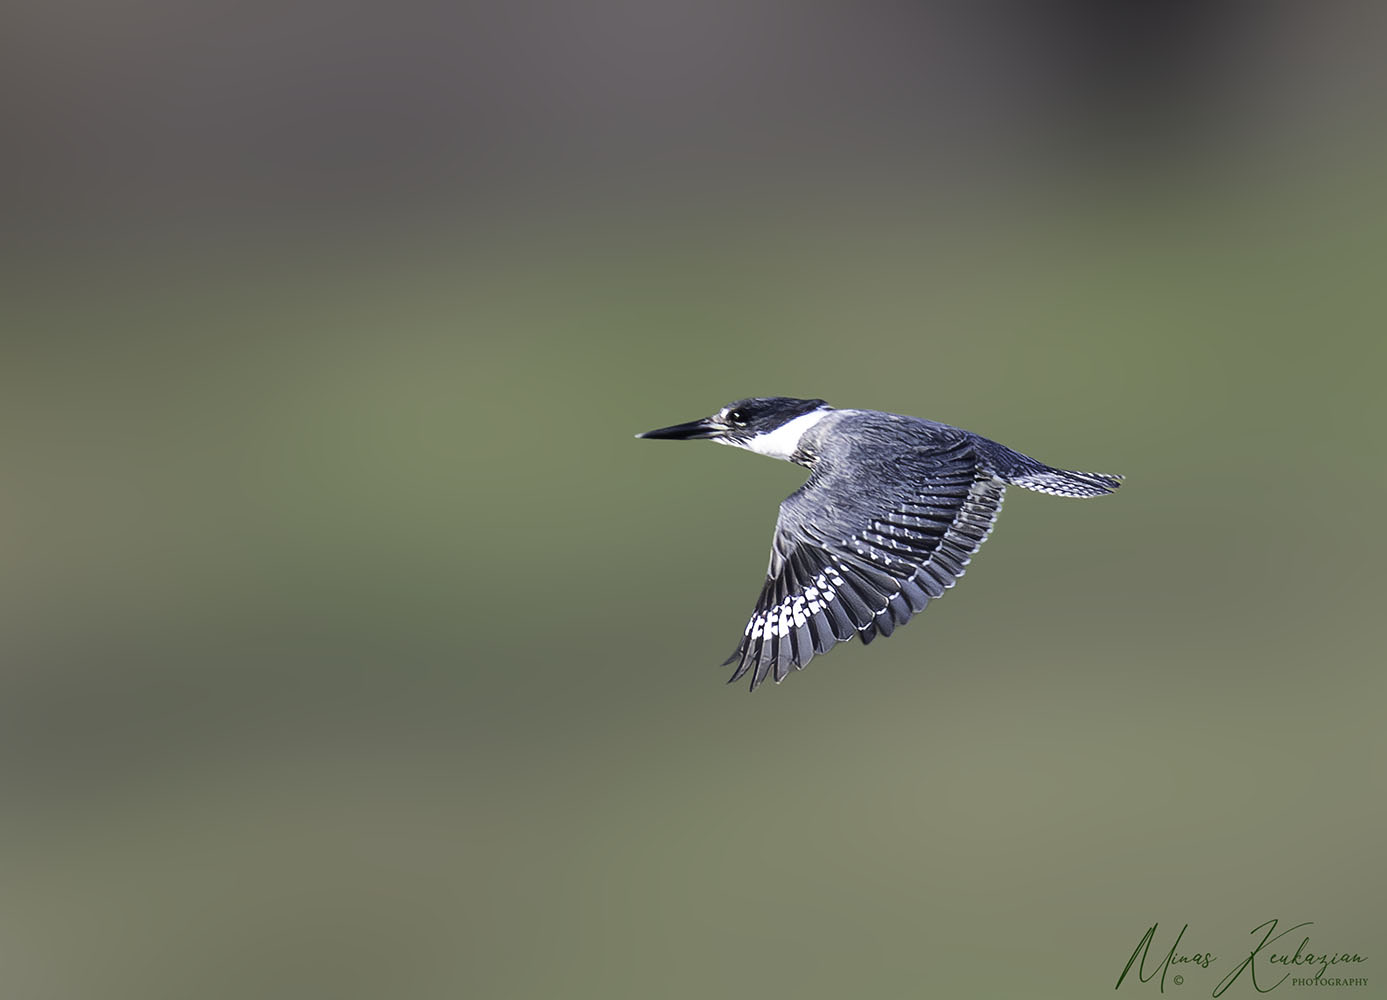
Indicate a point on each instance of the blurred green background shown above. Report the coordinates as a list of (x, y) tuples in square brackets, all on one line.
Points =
[(353, 647)]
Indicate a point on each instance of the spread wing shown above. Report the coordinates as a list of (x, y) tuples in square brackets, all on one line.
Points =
[(848, 562)]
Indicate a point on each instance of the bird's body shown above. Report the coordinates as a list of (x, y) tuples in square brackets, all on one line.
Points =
[(892, 512)]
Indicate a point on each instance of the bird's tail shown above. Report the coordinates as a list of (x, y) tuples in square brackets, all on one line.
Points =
[(1061, 483), (1017, 469)]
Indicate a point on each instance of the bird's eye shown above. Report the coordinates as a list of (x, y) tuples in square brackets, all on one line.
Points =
[(736, 417)]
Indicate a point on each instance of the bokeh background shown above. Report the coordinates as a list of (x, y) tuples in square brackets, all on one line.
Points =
[(353, 647)]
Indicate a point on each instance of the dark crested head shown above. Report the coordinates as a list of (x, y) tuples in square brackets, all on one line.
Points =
[(762, 414), (743, 421)]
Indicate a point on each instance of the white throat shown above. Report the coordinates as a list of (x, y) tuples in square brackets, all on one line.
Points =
[(784, 440)]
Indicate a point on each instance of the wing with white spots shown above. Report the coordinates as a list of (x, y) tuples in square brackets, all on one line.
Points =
[(848, 562)]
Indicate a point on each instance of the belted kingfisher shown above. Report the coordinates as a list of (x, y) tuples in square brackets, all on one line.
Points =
[(893, 509)]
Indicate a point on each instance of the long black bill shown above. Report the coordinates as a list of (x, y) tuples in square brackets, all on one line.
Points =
[(694, 429)]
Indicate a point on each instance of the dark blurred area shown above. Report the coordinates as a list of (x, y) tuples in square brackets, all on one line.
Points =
[(137, 119), (352, 647)]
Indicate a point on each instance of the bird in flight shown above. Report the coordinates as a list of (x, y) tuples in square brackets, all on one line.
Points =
[(892, 512)]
